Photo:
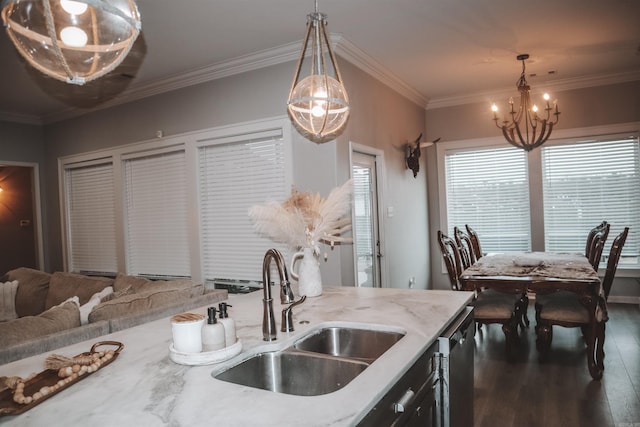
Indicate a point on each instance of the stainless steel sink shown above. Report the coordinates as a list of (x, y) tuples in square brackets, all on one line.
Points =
[(321, 362), (293, 373), (359, 344)]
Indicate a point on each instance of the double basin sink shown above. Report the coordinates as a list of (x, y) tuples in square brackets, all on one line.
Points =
[(321, 362)]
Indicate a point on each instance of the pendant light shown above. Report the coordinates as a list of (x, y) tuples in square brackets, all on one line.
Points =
[(318, 103), (526, 129), (74, 41)]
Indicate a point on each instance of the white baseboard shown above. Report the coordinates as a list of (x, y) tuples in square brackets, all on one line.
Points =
[(624, 299)]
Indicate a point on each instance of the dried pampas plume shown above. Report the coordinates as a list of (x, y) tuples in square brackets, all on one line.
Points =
[(305, 220)]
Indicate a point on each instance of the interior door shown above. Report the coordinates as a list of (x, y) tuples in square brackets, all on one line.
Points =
[(366, 230)]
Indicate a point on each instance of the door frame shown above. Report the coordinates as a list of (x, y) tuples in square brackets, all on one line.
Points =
[(37, 207), (381, 184)]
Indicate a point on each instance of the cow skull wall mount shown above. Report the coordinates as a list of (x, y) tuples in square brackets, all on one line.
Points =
[(413, 153)]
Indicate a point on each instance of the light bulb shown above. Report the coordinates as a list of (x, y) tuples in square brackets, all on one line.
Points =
[(73, 36), (494, 108), (546, 97), (74, 7), (318, 110)]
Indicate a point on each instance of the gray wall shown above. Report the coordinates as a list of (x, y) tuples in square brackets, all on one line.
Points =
[(381, 118), (598, 106)]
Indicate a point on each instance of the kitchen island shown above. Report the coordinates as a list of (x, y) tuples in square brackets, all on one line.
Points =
[(144, 387)]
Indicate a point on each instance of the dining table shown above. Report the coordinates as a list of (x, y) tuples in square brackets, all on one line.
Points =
[(545, 273)]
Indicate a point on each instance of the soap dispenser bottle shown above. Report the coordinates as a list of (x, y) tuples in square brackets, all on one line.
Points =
[(212, 332), (229, 324)]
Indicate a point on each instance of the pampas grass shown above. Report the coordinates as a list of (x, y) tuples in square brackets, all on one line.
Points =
[(305, 220)]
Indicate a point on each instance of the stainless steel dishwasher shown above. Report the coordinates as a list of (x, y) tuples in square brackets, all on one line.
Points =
[(455, 351)]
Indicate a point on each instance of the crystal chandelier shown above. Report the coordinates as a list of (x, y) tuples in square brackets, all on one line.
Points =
[(318, 104), (526, 129), (74, 41)]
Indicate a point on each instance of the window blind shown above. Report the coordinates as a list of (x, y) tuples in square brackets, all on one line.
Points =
[(586, 183), (233, 176), (488, 189), (90, 214), (156, 218)]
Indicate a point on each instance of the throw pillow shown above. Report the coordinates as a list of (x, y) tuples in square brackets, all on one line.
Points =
[(113, 295), (8, 292), (58, 318), (32, 293), (93, 301), (65, 285)]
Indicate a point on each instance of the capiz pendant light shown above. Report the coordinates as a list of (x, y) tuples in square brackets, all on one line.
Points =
[(74, 41), (318, 103)]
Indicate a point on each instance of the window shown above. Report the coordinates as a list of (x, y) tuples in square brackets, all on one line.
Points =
[(548, 199), (157, 242), (91, 235), (176, 207), (234, 174), (585, 183), (489, 190)]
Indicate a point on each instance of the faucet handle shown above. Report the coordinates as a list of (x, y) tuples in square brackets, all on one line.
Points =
[(287, 316), (286, 294)]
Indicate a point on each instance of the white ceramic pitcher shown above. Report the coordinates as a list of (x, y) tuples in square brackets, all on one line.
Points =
[(308, 276)]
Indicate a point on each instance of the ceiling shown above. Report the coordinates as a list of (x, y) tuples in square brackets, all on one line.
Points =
[(436, 52)]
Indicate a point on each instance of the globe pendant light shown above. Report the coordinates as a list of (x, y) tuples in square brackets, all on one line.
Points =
[(318, 103), (74, 41), (526, 129)]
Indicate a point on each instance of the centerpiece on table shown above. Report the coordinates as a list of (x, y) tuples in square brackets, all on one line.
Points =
[(303, 222)]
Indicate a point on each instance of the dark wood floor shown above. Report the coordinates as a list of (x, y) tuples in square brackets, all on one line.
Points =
[(560, 392)]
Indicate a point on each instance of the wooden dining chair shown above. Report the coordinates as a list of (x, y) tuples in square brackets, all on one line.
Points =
[(475, 241), (590, 237), (465, 247), (488, 306), (565, 309), (597, 245)]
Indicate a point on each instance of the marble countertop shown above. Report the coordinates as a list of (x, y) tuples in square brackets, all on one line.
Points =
[(143, 386)]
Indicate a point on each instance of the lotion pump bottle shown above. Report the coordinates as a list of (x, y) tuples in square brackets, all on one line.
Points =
[(212, 332), (229, 324)]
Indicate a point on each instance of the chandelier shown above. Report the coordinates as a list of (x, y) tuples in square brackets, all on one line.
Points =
[(318, 103), (526, 129), (72, 41)]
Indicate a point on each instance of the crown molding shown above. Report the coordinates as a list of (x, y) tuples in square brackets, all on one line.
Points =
[(27, 119), (368, 64), (265, 58), (290, 52), (558, 86)]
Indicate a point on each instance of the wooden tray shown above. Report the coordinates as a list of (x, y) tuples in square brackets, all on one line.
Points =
[(48, 377)]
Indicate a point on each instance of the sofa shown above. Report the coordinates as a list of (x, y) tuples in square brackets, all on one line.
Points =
[(40, 312)]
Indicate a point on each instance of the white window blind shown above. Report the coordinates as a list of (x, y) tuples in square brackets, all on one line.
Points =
[(586, 183), (157, 242), (488, 189), (234, 174), (90, 215)]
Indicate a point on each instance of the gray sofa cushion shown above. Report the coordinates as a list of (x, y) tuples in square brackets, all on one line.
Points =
[(58, 318), (66, 285), (8, 300), (139, 302), (52, 341), (33, 286)]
